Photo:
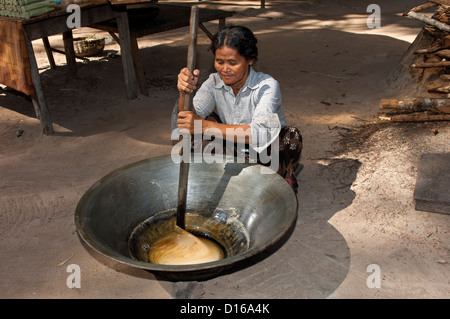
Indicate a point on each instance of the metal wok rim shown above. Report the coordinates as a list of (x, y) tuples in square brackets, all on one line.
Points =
[(219, 265)]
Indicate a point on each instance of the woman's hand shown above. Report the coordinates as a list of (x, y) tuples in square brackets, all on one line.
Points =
[(187, 81), (186, 120)]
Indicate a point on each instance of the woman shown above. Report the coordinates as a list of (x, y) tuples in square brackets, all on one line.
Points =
[(247, 102)]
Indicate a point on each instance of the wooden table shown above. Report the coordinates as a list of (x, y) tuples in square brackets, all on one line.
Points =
[(55, 22), (151, 18), (112, 16)]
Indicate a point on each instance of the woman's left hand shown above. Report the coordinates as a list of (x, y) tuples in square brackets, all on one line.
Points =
[(186, 120)]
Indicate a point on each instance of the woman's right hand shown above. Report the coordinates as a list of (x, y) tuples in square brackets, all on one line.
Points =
[(187, 81)]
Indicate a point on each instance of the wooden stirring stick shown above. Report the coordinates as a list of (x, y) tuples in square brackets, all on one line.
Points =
[(184, 166)]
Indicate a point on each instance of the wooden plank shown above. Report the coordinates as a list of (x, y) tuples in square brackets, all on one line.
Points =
[(170, 17), (38, 28), (122, 2), (61, 11)]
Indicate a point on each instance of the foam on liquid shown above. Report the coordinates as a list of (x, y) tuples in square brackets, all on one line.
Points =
[(183, 248)]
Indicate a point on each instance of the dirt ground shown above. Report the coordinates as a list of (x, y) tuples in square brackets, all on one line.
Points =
[(356, 206)]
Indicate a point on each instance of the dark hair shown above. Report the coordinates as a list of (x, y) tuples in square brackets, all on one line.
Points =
[(237, 37)]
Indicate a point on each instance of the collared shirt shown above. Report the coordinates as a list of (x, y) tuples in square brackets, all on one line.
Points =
[(257, 104)]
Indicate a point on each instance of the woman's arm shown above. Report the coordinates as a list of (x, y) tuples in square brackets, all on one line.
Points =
[(187, 83), (234, 133), (268, 116)]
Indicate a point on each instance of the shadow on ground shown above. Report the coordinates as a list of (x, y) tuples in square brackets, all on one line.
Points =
[(95, 101), (311, 262)]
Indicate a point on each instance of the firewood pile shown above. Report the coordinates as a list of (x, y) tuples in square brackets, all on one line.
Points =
[(428, 61)]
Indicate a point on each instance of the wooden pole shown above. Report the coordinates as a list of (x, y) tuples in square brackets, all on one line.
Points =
[(416, 117), (424, 65), (416, 109), (184, 166), (421, 17), (417, 105)]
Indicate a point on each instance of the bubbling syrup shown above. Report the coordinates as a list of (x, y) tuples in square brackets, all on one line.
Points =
[(183, 248)]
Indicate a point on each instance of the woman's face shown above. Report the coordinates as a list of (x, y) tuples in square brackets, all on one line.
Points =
[(232, 67)]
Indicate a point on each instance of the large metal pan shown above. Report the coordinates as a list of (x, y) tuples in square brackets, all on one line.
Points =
[(239, 205)]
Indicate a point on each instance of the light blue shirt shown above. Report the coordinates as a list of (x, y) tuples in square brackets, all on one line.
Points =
[(257, 104)]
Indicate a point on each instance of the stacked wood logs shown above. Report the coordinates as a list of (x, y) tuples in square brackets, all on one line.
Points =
[(435, 58)]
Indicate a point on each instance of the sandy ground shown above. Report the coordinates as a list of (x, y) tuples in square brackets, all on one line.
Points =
[(356, 205)]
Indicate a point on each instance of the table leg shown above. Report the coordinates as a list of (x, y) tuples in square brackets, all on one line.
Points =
[(139, 70), (114, 37), (221, 23), (127, 58), (70, 52), (38, 100), (37, 108), (209, 34), (48, 50)]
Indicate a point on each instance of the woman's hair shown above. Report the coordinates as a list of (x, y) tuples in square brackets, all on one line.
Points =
[(239, 38)]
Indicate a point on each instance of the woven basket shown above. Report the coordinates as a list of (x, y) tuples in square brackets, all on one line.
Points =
[(88, 46)]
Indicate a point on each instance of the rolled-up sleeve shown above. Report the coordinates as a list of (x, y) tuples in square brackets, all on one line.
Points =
[(266, 125)]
